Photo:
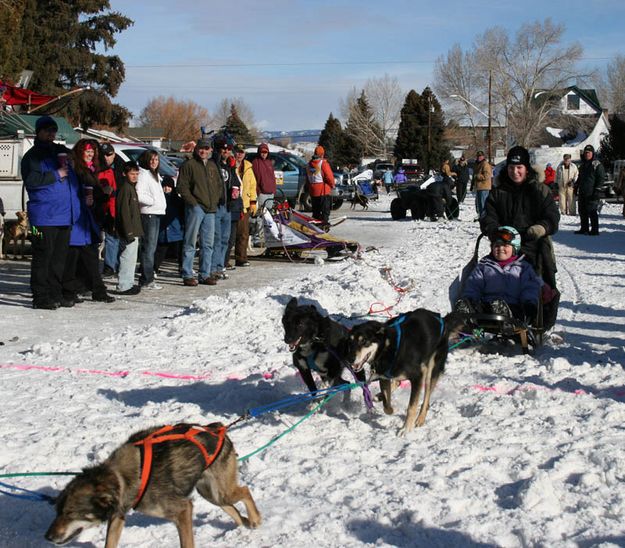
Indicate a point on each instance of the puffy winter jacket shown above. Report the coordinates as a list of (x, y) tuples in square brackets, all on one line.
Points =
[(51, 201), (515, 283)]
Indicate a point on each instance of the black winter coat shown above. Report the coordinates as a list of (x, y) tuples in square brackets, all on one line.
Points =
[(591, 177)]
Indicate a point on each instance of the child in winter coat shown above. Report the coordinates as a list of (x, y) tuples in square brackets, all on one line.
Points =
[(502, 282)]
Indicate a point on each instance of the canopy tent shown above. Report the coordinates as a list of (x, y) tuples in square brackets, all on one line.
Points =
[(11, 123)]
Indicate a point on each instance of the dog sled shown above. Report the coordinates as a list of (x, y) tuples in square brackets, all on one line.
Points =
[(416, 198), (280, 231), (484, 327)]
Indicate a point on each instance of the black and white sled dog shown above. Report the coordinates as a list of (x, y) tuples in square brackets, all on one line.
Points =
[(317, 342), (413, 347)]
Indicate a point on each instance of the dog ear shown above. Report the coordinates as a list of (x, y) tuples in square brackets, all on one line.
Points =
[(292, 303)]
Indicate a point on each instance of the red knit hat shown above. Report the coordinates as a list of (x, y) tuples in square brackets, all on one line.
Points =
[(319, 150)]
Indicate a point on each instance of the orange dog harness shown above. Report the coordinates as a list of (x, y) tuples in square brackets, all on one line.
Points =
[(174, 433)]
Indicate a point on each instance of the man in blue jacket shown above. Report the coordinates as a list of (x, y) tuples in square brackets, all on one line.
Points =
[(51, 211)]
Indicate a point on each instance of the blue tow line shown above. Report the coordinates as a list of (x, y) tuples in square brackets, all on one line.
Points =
[(32, 495)]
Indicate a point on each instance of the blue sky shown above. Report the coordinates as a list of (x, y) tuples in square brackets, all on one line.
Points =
[(293, 60)]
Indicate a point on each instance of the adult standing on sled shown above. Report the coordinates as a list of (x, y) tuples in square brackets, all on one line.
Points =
[(320, 185), (519, 200)]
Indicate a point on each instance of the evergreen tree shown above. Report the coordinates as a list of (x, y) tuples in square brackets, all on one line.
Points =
[(330, 139), (10, 31), (613, 144), (58, 42), (421, 130), (237, 128)]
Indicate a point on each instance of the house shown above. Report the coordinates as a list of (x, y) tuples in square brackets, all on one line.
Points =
[(574, 120)]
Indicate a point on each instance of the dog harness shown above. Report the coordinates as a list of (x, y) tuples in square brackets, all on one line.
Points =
[(174, 433), (396, 324)]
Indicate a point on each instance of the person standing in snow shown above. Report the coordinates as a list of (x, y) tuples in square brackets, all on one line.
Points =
[(387, 179), (265, 176), (482, 182), (245, 173), (320, 185), (519, 200), (461, 167), (591, 177), (566, 176)]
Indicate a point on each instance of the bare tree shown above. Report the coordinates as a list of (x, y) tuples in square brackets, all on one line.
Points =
[(180, 120), (458, 83), (385, 99), (361, 125), (611, 85), (244, 111), (527, 72)]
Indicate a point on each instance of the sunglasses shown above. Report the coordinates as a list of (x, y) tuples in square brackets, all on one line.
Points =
[(503, 236)]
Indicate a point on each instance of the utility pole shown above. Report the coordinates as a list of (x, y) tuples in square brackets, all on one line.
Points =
[(490, 123), (429, 131)]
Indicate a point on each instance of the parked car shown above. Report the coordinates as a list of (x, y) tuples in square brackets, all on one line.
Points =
[(290, 173), (132, 152)]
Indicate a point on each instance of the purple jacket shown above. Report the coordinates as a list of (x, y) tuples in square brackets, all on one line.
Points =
[(515, 283)]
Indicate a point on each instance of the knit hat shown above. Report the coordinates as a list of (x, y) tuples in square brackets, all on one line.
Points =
[(319, 151), (221, 143), (589, 148), (263, 147), (45, 122), (518, 155)]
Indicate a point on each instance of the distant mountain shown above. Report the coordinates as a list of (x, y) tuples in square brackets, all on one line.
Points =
[(297, 136)]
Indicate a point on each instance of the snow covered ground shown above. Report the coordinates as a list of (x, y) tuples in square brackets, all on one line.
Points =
[(517, 450)]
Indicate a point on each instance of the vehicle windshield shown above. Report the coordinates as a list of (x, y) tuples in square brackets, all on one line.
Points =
[(164, 167)]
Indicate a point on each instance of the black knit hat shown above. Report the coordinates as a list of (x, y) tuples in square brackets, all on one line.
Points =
[(518, 156), (589, 148), (45, 122)]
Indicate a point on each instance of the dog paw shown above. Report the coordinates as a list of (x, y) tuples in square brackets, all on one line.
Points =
[(401, 433), (254, 523), (389, 410)]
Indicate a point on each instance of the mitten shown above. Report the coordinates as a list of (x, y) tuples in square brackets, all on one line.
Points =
[(536, 231)]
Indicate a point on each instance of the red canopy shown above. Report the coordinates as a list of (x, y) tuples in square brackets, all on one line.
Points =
[(20, 96)]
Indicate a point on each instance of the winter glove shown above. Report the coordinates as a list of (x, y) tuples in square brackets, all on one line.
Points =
[(530, 310), (535, 231), (252, 209)]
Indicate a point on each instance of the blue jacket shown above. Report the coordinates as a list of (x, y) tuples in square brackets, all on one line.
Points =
[(172, 223), (51, 201), (515, 283), (85, 229)]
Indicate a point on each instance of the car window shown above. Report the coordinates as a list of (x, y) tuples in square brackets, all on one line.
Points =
[(164, 167), (281, 164)]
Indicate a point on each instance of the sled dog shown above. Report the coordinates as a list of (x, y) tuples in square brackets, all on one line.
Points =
[(155, 472), (413, 347), (317, 343)]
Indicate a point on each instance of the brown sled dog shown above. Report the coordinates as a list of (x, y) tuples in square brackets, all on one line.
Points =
[(175, 460)]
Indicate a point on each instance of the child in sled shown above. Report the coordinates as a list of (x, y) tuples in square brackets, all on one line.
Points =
[(503, 282)]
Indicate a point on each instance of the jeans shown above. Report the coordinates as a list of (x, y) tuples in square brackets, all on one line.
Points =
[(111, 251), (222, 235), (480, 201), (127, 264), (151, 226), (197, 221)]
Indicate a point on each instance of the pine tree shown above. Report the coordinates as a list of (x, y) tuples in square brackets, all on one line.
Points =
[(330, 139), (10, 31), (613, 144), (59, 39), (237, 128), (421, 130)]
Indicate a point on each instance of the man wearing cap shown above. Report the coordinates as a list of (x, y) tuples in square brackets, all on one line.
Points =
[(519, 200), (320, 185), (199, 185), (51, 210), (265, 176), (110, 177), (482, 181), (222, 156), (591, 177), (566, 177)]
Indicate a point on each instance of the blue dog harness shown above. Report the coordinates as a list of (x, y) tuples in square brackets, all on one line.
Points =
[(396, 324)]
